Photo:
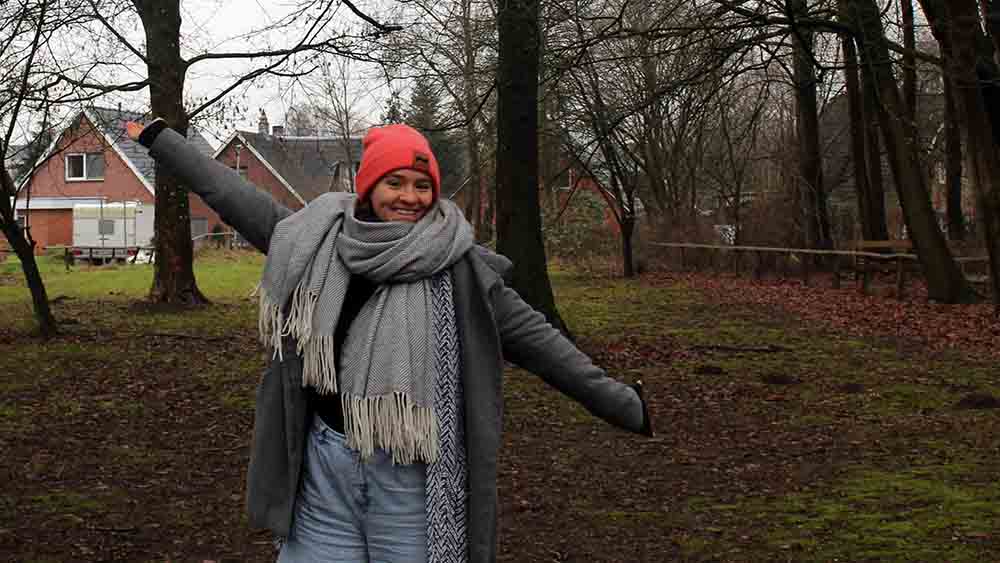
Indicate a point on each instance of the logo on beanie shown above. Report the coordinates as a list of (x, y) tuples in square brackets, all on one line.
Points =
[(421, 161)]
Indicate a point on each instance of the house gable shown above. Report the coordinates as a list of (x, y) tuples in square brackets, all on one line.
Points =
[(47, 195), (119, 181), (257, 171), (305, 167)]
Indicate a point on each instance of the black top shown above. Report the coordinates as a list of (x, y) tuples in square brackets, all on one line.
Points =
[(328, 406)]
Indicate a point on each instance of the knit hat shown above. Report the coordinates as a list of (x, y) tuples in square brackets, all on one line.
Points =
[(395, 147)]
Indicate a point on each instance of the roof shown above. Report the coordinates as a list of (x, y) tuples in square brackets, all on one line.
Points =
[(112, 122), (307, 165)]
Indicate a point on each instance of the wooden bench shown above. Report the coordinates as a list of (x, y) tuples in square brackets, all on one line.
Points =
[(864, 265)]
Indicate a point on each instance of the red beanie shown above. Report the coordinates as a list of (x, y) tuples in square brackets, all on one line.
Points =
[(395, 147)]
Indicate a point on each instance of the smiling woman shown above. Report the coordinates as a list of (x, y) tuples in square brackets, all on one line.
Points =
[(387, 325)]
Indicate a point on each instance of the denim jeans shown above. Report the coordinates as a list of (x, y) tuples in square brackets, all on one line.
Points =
[(353, 511)]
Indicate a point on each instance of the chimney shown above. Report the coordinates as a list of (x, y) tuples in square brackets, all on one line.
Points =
[(278, 130), (262, 126)]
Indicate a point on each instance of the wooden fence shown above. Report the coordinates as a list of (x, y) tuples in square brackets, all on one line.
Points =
[(864, 260)]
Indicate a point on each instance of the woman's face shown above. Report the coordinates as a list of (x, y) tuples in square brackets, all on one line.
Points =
[(402, 195)]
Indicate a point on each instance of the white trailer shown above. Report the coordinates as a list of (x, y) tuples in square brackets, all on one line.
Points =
[(111, 231)]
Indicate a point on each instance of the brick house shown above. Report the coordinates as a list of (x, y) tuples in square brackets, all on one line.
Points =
[(293, 169), (92, 161)]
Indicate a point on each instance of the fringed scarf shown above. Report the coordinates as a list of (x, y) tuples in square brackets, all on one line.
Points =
[(387, 372)]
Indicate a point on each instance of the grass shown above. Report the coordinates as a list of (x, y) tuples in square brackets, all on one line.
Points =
[(221, 275), (157, 405)]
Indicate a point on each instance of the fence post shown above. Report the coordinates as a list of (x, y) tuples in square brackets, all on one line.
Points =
[(900, 277), (759, 265), (683, 261), (805, 269), (865, 265), (836, 271)]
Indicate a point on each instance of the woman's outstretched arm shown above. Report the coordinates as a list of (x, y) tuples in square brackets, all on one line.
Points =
[(532, 343), (252, 212)]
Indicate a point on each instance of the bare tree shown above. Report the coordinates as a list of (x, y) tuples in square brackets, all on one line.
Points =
[(26, 26), (969, 55), (310, 27), (518, 218), (945, 281)]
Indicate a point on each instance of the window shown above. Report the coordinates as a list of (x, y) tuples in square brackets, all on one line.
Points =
[(85, 166), (106, 227), (199, 226)]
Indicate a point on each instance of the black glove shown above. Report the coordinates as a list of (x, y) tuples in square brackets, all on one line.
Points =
[(149, 132), (647, 428)]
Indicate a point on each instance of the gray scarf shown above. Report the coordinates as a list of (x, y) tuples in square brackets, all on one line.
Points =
[(387, 370)]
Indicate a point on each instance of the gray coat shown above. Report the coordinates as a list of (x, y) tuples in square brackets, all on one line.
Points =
[(494, 324)]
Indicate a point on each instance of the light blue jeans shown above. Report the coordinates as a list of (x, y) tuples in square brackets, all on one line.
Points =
[(351, 511)]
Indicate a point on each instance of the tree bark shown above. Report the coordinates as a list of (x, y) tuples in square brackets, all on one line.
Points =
[(876, 184), (518, 214), (817, 220), (24, 250), (857, 131), (962, 21), (945, 281), (953, 163), (173, 277), (628, 254), (909, 60)]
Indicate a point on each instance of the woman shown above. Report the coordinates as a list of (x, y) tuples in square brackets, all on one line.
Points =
[(378, 420)]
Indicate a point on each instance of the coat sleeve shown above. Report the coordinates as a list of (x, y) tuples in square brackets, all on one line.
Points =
[(533, 344), (250, 211)]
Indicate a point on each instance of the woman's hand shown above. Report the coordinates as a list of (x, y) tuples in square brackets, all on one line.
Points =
[(134, 130)]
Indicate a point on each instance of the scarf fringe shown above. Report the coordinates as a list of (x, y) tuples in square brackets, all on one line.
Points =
[(393, 423), (269, 324), (300, 315), (273, 327), (319, 369)]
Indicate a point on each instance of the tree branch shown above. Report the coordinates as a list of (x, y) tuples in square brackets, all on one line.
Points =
[(119, 36)]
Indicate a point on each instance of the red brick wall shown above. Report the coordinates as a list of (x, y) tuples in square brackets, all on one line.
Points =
[(259, 175)]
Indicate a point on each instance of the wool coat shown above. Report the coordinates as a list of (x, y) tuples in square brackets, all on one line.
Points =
[(494, 325)]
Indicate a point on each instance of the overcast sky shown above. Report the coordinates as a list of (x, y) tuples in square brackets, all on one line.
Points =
[(222, 25)]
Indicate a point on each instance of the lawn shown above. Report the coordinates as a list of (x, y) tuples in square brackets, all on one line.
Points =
[(779, 437)]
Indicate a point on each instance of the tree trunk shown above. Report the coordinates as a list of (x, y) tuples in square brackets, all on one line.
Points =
[(876, 185), (628, 253), (24, 250), (817, 220), (518, 215), (945, 281), (470, 92), (953, 163), (857, 132), (909, 61), (965, 32), (173, 277)]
